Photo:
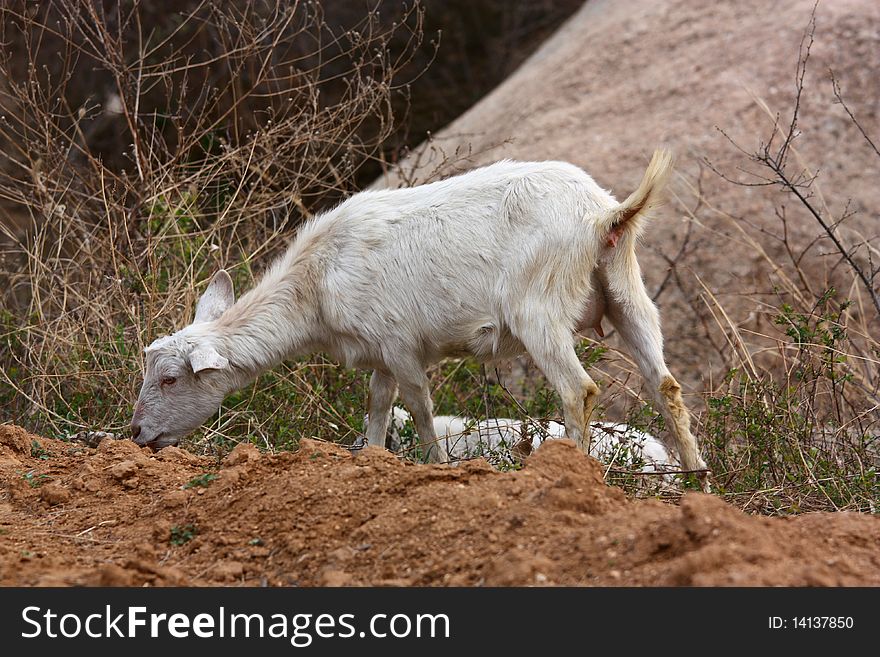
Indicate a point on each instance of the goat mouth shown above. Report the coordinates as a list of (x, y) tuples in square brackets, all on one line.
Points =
[(156, 443), (163, 440)]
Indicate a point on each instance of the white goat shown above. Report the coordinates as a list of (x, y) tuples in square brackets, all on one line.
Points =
[(503, 441), (512, 257)]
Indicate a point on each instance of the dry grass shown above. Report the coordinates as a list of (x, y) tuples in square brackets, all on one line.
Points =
[(238, 119)]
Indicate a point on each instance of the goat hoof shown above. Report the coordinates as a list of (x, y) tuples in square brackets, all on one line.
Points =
[(705, 484)]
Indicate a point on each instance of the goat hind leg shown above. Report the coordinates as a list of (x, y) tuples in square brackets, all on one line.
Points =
[(638, 323), (677, 414)]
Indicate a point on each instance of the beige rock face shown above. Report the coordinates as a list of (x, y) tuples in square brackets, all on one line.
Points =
[(621, 78)]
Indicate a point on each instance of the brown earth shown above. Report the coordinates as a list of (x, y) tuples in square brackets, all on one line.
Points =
[(73, 515)]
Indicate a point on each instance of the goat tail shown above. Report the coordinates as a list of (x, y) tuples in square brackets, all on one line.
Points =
[(626, 217)]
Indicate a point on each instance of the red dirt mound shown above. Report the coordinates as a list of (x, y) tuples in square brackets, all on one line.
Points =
[(121, 515)]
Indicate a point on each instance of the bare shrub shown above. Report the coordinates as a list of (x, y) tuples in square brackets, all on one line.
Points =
[(794, 426), (238, 119)]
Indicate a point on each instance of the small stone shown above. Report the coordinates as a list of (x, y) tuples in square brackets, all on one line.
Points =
[(174, 498), (243, 453), (335, 578), (54, 494), (124, 470)]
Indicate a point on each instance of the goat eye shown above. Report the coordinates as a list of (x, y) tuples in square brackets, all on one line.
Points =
[(168, 380)]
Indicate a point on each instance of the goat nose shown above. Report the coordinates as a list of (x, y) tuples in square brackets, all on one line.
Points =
[(135, 431)]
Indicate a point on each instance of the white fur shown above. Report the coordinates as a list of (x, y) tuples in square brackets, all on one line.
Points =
[(500, 441), (512, 257)]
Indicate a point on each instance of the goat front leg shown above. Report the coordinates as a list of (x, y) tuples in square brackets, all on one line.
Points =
[(635, 316), (416, 395), (383, 392)]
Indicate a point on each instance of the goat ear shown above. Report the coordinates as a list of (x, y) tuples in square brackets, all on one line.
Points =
[(206, 358), (216, 299)]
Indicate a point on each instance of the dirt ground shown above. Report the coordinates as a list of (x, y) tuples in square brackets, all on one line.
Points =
[(119, 514)]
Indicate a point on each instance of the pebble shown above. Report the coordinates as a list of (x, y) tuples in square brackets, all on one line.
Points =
[(124, 470), (54, 494)]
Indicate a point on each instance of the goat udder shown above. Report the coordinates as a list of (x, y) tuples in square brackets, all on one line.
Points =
[(594, 311)]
